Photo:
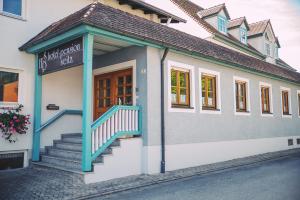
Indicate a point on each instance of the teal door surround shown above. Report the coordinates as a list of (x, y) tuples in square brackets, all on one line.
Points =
[(87, 33)]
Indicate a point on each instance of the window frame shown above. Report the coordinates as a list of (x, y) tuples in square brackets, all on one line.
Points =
[(4, 104), (178, 88), (12, 15), (288, 90), (223, 19), (268, 49), (218, 93), (214, 81), (247, 111), (243, 30), (270, 113), (183, 67)]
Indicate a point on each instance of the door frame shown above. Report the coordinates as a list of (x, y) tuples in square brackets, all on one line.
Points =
[(114, 68)]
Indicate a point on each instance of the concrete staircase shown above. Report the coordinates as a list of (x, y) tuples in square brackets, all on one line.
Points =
[(66, 153)]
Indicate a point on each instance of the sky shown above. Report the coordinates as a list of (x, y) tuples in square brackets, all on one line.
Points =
[(284, 16)]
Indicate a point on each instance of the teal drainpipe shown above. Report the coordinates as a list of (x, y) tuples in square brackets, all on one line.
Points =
[(37, 112), (88, 40)]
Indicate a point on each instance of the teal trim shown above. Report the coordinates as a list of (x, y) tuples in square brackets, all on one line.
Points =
[(110, 112), (233, 66), (58, 116), (60, 39), (222, 24), (243, 31), (138, 42), (88, 41), (111, 140), (106, 116), (37, 112)]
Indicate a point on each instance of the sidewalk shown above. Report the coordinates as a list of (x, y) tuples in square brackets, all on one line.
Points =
[(43, 183)]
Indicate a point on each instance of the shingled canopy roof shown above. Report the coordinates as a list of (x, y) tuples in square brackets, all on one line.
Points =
[(116, 21), (258, 28)]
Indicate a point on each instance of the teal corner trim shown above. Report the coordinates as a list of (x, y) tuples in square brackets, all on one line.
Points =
[(88, 40), (37, 112), (57, 116), (60, 39), (106, 116)]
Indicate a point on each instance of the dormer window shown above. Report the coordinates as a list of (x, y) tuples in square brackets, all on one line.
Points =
[(276, 52), (268, 49), (243, 35), (222, 24)]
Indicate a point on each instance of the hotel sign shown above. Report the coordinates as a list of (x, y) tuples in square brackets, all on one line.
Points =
[(62, 57)]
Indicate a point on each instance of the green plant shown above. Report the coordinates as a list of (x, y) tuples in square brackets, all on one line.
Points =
[(13, 123)]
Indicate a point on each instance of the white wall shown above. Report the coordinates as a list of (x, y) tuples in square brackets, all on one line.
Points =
[(64, 89), (15, 32)]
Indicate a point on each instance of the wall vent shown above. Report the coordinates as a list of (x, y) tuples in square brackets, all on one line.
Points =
[(11, 161), (290, 142)]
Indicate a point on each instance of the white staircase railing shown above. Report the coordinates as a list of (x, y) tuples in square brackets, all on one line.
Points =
[(116, 122)]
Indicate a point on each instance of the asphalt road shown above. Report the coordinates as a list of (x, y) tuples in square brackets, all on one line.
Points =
[(273, 180)]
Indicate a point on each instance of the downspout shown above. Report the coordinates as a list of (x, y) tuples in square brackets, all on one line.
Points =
[(162, 112)]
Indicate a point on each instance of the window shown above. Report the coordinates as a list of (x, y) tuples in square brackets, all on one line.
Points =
[(290, 142), (241, 96), (222, 24), (180, 88), (208, 91), (243, 35), (9, 87), (11, 6), (276, 52), (265, 99), (268, 50), (285, 102)]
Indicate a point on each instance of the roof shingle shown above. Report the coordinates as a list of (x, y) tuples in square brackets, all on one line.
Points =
[(237, 22), (204, 13), (258, 27), (119, 22)]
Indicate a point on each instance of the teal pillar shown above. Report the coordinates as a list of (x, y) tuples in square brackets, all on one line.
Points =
[(37, 112), (88, 40)]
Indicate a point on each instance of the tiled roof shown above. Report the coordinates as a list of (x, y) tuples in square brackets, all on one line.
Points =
[(119, 22), (150, 9), (192, 10), (258, 27), (204, 13), (237, 22)]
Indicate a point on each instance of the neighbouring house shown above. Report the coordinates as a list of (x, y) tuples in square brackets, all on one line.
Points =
[(114, 91)]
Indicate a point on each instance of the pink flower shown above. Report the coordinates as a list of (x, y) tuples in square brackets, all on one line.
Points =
[(15, 117)]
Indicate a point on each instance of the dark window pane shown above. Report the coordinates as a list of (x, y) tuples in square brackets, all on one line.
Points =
[(128, 100), (120, 81), (9, 86), (108, 83), (13, 6), (120, 90), (107, 102), (101, 102), (129, 90), (101, 84), (128, 79)]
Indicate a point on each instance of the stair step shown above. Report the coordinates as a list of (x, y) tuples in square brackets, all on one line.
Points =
[(77, 155), (68, 154), (62, 162), (49, 165), (67, 146), (71, 135), (76, 140)]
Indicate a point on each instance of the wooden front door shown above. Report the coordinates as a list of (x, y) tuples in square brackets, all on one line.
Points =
[(111, 89)]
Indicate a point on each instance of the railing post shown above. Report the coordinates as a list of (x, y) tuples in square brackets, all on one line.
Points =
[(88, 40), (140, 120), (37, 112)]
